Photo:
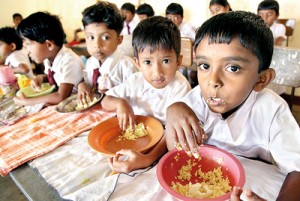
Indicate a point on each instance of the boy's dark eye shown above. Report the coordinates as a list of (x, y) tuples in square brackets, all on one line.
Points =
[(203, 66), (90, 37), (105, 37), (233, 69), (166, 61), (147, 62)]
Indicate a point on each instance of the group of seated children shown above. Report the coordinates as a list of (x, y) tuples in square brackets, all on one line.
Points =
[(231, 103)]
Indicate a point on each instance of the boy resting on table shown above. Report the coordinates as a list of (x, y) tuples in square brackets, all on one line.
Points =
[(43, 36), (12, 54), (150, 91), (107, 66), (231, 104)]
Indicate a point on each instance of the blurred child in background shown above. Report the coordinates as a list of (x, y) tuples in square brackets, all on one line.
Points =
[(17, 18), (269, 11), (128, 13), (43, 37), (174, 12), (219, 6), (12, 53), (144, 11)]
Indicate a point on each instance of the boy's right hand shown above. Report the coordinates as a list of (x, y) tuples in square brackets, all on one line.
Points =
[(183, 128), (84, 92), (125, 114), (36, 83)]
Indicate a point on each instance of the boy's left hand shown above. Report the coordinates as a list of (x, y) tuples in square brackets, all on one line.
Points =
[(250, 195), (127, 160), (20, 100)]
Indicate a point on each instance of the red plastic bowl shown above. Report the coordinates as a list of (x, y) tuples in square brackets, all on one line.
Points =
[(211, 157)]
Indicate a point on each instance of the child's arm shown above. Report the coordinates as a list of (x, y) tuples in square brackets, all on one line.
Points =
[(279, 41), (135, 159), (22, 69), (63, 92), (290, 187), (183, 127), (124, 111)]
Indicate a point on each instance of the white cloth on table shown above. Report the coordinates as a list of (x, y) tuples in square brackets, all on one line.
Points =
[(138, 92), (67, 66), (263, 127), (79, 173)]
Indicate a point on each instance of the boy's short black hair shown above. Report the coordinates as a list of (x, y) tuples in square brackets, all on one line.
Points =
[(42, 26), (174, 8), (269, 5), (145, 9), (247, 27), (128, 6), (15, 15), (156, 32), (103, 12), (9, 35)]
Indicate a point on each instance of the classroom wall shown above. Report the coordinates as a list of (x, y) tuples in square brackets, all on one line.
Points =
[(195, 11)]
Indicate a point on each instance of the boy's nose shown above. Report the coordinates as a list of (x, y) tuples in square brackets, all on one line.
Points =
[(214, 80), (157, 69)]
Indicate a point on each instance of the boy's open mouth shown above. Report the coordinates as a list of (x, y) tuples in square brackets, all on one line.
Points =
[(214, 101)]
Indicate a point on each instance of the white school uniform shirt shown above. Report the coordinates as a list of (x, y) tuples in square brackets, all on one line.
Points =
[(116, 69), (67, 66), (187, 30), (263, 127), (132, 24), (18, 57), (278, 30), (147, 100)]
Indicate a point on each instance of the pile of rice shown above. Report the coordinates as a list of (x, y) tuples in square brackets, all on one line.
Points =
[(133, 134), (213, 183), (81, 105)]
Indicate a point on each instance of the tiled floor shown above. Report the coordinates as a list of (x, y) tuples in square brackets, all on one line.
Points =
[(10, 192)]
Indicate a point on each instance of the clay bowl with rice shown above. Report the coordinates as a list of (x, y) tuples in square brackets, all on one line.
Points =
[(108, 138), (210, 177)]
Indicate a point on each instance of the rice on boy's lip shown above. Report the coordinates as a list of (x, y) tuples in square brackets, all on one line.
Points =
[(214, 101)]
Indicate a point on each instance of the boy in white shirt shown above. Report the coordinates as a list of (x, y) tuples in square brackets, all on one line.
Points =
[(12, 54), (231, 108), (43, 36), (269, 11), (107, 66), (174, 12), (128, 13), (150, 91)]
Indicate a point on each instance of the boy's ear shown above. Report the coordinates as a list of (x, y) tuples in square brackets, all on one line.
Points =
[(120, 39), (179, 61), (136, 61), (265, 78), (50, 44), (13, 46)]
